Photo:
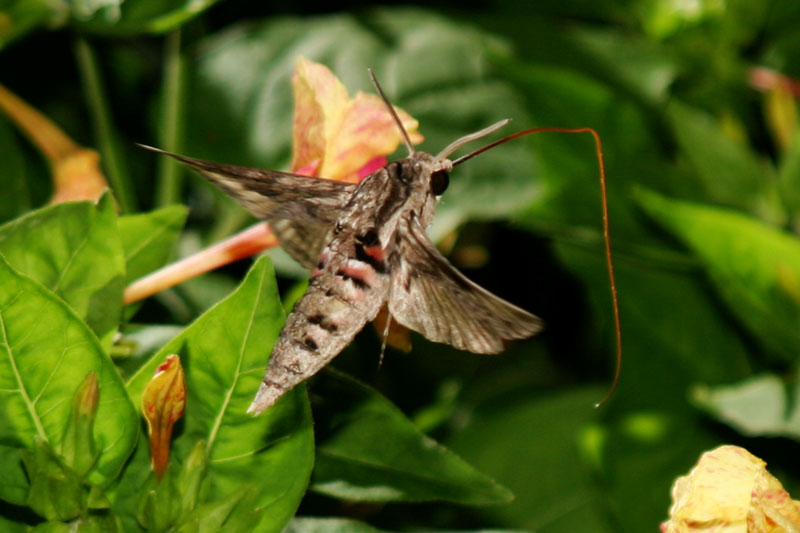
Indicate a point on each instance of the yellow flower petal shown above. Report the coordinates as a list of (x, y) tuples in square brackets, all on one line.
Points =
[(367, 130), (340, 135), (163, 404), (319, 103), (731, 491)]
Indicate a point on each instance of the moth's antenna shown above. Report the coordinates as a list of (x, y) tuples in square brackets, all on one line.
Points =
[(406, 139), (606, 232), (458, 143)]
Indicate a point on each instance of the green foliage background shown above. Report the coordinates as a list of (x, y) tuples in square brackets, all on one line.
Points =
[(703, 173)]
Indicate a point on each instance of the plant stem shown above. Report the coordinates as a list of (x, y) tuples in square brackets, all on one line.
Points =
[(112, 158), (170, 172)]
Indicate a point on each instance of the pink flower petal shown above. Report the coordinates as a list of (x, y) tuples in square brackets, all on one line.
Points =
[(367, 130)]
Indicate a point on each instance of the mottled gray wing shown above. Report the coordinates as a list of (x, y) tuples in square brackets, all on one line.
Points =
[(304, 242), (431, 297), (271, 194)]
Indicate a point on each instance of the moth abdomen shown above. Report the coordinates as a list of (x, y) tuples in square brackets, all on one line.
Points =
[(372, 256), (323, 322)]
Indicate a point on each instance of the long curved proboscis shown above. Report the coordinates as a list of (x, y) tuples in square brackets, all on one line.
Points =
[(606, 233)]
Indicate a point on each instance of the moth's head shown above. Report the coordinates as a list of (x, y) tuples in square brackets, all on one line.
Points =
[(432, 172), (436, 169)]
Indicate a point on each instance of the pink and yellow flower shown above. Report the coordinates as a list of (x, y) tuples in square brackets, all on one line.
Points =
[(338, 138)]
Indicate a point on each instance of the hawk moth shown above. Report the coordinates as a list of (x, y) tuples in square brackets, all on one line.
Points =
[(366, 245)]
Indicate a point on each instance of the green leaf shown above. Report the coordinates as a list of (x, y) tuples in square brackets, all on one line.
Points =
[(13, 481), (224, 353), (78, 447), (308, 524), (190, 478), (760, 406), (569, 205), (72, 249), (660, 349), (18, 17), (755, 267), (12, 526), (789, 179), (531, 444), (131, 487), (419, 58), (94, 523), (730, 172), (159, 503), (46, 352), (148, 239), (52, 527), (56, 491), (663, 18), (238, 512), (136, 16), (369, 451)]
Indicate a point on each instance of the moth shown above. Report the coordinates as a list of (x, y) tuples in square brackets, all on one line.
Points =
[(366, 246)]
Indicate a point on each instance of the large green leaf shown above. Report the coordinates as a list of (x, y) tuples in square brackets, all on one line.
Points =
[(240, 99), (567, 166), (755, 267), (74, 250), (47, 351), (532, 444), (224, 353), (369, 451), (760, 406), (728, 170), (663, 354), (148, 239)]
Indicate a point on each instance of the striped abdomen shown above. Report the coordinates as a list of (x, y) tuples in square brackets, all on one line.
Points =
[(346, 291)]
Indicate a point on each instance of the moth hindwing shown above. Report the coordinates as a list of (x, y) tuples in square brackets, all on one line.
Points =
[(367, 247)]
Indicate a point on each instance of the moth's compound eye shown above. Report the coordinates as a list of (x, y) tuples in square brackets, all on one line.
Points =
[(439, 182)]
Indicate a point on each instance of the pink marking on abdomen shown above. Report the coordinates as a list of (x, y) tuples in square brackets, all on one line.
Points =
[(359, 271)]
